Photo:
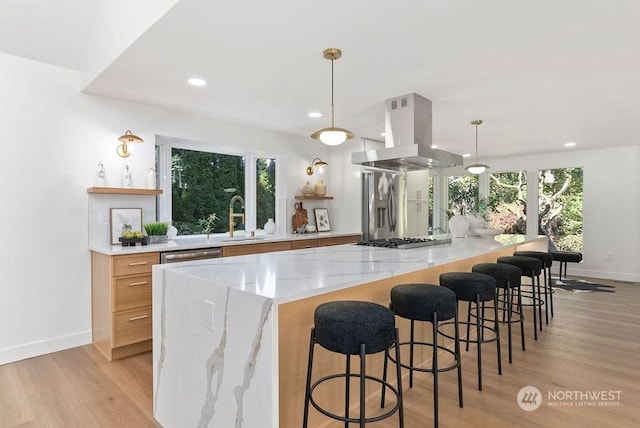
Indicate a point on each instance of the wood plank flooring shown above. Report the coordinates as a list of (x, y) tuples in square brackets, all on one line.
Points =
[(591, 344)]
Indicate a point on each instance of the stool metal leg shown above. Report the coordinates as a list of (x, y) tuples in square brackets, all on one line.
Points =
[(458, 354), (347, 389), (434, 367), (550, 290), (307, 394), (521, 312), (411, 354), (546, 295), (468, 325), (535, 313), (540, 303), (363, 394), (509, 298), (478, 334), (497, 327), (399, 380)]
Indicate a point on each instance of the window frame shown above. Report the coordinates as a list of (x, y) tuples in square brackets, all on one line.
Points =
[(164, 146)]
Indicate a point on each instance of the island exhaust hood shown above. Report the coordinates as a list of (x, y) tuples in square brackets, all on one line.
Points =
[(407, 139)]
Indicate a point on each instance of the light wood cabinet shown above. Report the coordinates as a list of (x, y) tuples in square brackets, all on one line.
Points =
[(121, 303), (338, 240), (267, 247), (304, 243)]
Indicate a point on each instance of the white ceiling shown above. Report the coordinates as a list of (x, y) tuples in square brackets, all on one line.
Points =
[(538, 74)]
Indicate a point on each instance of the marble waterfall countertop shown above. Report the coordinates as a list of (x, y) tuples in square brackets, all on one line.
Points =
[(216, 334), (216, 241), (296, 274)]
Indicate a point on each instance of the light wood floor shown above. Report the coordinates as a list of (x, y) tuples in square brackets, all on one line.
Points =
[(591, 344)]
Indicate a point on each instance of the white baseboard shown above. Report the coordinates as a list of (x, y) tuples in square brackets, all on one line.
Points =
[(42, 347), (589, 273)]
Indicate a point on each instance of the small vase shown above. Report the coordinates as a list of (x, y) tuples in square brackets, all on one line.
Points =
[(151, 179), (126, 177), (307, 189), (101, 176), (458, 226), (320, 188), (270, 226)]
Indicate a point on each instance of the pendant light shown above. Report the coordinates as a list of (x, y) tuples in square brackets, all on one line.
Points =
[(332, 136), (476, 168)]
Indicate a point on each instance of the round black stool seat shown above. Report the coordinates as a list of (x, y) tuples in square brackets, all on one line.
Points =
[(545, 258), (529, 266), (420, 302), (566, 256), (508, 279), (354, 328), (342, 326), (468, 286), (504, 274)]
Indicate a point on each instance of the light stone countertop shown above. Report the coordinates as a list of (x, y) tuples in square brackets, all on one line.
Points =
[(291, 275), (216, 241)]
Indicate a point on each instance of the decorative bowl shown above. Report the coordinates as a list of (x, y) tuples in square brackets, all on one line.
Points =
[(488, 233), (310, 228)]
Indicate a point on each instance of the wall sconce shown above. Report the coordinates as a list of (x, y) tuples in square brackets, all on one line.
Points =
[(316, 162), (127, 138)]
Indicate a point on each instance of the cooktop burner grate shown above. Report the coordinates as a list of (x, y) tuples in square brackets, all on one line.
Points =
[(404, 243)]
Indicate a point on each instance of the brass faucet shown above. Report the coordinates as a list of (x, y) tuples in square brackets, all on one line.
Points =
[(233, 215)]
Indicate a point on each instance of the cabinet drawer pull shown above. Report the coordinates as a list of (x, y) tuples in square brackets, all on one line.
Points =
[(139, 318), (138, 263), (138, 283)]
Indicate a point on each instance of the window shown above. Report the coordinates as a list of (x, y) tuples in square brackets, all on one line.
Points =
[(463, 194), (203, 183), (560, 205), (265, 190), (508, 202)]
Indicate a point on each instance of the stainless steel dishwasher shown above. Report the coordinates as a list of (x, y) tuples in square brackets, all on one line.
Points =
[(189, 255)]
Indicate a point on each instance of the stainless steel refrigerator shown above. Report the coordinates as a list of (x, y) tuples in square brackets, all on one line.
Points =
[(384, 205)]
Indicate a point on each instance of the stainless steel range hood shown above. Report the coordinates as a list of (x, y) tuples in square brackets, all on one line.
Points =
[(407, 139)]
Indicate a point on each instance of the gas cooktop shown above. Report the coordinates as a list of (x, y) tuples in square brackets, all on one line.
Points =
[(404, 243)]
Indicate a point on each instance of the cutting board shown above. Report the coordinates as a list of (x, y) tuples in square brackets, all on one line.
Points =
[(299, 218)]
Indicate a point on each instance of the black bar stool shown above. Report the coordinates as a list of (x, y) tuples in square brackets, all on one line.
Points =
[(508, 279), (354, 328), (547, 260), (565, 257), (530, 267), (431, 303), (476, 289)]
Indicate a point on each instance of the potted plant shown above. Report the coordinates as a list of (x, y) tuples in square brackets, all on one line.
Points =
[(157, 232)]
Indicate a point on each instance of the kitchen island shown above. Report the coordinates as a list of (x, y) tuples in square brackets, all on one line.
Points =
[(231, 335)]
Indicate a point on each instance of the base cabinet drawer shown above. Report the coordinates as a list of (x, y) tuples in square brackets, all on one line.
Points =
[(134, 264), (132, 292), (132, 326)]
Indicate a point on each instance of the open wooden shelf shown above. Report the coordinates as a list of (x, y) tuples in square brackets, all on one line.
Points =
[(123, 191), (313, 197)]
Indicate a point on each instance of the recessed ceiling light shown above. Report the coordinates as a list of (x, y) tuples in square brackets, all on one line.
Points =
[(570, 144), (383, 134), (466, 155), (315, 114), (434, 146), (197, 82)]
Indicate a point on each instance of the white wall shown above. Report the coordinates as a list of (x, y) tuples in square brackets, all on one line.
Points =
[(52, 137)]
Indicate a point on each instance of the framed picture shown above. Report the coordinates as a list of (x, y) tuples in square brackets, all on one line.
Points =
[(123, 220), (322, 219)]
